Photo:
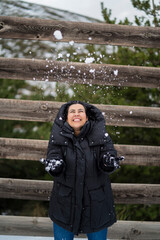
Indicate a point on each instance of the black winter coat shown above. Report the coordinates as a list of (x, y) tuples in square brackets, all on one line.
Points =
[(81, 198)]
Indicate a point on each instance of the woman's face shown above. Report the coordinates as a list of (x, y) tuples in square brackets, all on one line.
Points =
[(76, 117)]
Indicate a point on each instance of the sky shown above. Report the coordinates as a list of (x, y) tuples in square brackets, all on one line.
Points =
[(92, 8)]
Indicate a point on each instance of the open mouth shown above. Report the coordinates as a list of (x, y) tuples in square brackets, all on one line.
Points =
[(76, 120)]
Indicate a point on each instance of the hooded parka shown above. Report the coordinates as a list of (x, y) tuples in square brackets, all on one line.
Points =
[(81, 199)]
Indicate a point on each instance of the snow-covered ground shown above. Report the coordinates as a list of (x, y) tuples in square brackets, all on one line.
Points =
[(3, 237), (9, 237)]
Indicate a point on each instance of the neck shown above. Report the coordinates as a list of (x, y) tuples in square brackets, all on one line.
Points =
[(77, 132)]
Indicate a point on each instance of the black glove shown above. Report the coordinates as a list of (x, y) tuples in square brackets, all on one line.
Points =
[(53, 166), (110, 163)]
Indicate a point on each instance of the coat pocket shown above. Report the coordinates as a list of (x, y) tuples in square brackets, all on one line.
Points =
[(99, 208), (61, 203)]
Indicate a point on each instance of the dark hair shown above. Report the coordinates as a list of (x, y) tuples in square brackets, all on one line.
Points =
[(71, 103)]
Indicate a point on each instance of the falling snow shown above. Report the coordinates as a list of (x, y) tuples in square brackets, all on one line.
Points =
[(58, 35), (60, 55), (115, 72), (72, 67), (92, 70), (89, 60), (71, 43)]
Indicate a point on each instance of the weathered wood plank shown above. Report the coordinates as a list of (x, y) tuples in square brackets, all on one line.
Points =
[(27, 149), (42, 226), (41, 190), (82, 73), (134, 230), (46, 111), (80, 32), (26, 226)]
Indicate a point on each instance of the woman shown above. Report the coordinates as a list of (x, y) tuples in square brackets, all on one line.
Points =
[(80, 156)]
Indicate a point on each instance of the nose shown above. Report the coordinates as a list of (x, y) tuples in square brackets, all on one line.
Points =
[(76, 113)]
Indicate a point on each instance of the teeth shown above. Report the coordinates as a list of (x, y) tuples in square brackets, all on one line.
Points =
[(76, 120)]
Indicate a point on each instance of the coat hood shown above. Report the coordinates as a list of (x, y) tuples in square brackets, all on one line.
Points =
[(95, 117), (93, 113)]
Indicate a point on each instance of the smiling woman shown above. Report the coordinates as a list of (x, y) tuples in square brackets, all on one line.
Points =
[(81, 200)]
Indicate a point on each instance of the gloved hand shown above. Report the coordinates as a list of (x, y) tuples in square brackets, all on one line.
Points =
[(53, 166), (110, 163)]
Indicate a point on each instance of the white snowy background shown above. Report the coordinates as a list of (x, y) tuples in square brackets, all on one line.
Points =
[(92, 8)]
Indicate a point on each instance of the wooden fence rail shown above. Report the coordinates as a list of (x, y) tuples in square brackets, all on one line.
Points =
[(40, 190), (80, 32), (42, 226), (82, 73), (27, 149), (46, 111)]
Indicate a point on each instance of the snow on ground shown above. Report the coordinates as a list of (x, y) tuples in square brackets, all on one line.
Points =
[(8, 237)]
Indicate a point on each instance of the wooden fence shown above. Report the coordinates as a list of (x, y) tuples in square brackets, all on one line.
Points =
[(45, 111)]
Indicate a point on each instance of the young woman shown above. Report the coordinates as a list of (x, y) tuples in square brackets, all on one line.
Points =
[(80, 156)]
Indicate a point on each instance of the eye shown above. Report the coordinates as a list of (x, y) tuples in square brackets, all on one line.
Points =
[(81, 110), (72, 111)]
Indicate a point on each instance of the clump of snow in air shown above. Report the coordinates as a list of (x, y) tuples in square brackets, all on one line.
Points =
[(92, 70), (130, 112), (89, 38), (115, 72), (89, 60), (106, 134), (60, 55), (71, 43), (60, 118), (58, 35), (72, 67)]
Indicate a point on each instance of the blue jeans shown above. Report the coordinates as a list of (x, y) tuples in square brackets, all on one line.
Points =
[(63, 234)]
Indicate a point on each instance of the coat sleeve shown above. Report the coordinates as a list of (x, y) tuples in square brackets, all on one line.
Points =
[(54, 151), (107, 148)]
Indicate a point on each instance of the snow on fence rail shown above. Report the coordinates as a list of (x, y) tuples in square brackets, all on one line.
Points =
[(112, 75), (33, 150), (81, 73), (46, 111), (80, 32)]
